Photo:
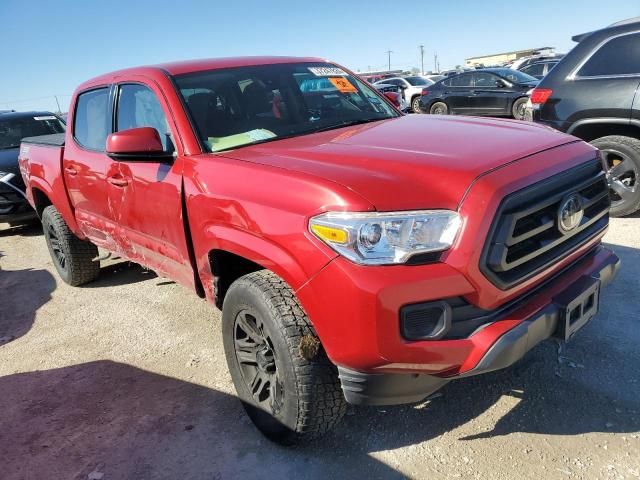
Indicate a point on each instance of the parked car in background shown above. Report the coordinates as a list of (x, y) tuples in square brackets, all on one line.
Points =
[(358, 255), (393, 94), (592, 94), (14, 126), (411, 88), (539, 69), (526, 61), (435, 78), (492, 91)]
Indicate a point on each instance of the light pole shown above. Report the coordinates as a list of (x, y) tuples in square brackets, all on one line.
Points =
[(422, 59), (389, 52)]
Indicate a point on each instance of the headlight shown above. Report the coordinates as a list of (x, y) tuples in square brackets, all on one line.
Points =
[(373, 238)]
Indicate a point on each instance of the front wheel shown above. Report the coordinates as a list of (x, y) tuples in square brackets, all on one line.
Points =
[(72, 257), (519, 108), (287, 385), (621, 156), (439, 108)]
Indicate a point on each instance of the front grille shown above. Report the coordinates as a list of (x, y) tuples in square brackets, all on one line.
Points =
[(526, 237)]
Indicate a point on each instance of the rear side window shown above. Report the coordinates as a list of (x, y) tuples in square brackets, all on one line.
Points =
[(138, 107), (619, 56), (535, 69), (461, 81), (92, 122)]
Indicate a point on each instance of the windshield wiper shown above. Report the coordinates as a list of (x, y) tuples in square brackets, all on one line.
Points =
[(349, 124)]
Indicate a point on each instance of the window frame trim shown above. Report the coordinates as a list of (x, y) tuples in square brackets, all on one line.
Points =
[(110, 106), (574, 73)]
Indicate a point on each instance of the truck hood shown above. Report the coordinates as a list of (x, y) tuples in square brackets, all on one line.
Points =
[(410, 162)]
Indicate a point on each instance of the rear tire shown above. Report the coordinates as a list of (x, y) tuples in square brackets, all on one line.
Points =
[(439, 108), (518, 109), (72, 257), (622, 158), (287, 385), (415, 104)]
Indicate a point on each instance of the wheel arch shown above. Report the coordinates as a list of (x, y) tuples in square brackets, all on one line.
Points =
[(592, 128)]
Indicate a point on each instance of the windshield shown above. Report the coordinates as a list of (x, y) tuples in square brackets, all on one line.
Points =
[(418, 81), (245, 105), (14, 129), (515, 75)]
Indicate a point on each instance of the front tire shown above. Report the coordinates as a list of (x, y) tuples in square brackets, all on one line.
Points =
[(621, 156), (72, 257), (519, 108), (287, 385), (439, 108)]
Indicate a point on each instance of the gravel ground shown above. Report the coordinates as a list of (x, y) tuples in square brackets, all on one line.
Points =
[(125, 378)]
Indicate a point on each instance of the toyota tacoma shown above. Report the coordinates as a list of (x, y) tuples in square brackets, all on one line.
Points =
[(358, 255)]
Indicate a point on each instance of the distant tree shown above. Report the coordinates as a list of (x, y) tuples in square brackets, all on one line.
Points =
[(415, 70)]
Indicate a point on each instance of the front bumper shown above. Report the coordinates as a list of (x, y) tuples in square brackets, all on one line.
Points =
[(14, 207), (492, 353)]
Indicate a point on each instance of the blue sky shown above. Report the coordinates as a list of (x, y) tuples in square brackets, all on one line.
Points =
[(51, 46)]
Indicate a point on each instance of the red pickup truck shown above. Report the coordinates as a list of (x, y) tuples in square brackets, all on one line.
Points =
[(358, 254)]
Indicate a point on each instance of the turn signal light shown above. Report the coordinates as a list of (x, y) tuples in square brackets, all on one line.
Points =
[(539, 96), (331, 234)]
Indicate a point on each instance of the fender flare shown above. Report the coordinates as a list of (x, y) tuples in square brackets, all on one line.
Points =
[(57, 195), (602, 120)]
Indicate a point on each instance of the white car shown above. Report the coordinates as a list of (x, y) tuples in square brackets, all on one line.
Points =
[(411, 88)]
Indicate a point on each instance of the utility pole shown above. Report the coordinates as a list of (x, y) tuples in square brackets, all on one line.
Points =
[(389, 52), (422, 59), (435, 62), (58, 103)]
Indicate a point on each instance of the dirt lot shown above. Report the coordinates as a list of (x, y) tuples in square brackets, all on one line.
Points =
[(125, 379)]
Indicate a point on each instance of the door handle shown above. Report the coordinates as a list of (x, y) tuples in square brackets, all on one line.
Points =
[(70, 171), (118, 181)]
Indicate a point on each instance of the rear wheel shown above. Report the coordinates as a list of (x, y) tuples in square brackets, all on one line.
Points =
[(439, 108), (621, 157), (287, 385), (518, 110), (72, 257), (415, 104)]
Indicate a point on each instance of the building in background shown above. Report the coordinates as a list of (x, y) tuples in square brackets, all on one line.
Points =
[(506, 57)]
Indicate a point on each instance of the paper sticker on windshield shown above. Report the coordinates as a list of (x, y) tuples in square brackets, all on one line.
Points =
[(326, 71), (343, 85), (48, 117)]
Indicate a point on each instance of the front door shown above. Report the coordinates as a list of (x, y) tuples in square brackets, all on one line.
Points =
[(145, 197)]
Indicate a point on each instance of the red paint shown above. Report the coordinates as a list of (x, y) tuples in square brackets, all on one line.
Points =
[(144, 139), (256, 202)]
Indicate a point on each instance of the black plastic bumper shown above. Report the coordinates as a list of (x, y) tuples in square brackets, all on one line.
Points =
[(362, 388)]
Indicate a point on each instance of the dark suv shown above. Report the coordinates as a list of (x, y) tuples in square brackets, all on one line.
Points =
[(591, 94), (14, 126)]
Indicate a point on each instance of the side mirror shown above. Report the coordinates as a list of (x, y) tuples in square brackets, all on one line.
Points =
[(500, 84), (137, 145), (393, 97)]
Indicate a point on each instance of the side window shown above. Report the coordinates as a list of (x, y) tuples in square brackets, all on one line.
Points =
[(484, 80), (92, 122), (461, 81), (138, 106), (619, 56), (535, 69)]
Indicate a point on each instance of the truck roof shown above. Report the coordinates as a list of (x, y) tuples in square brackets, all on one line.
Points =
[(188, 66)]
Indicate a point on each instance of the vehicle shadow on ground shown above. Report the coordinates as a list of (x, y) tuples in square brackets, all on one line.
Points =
[(122, 272), (124, 422), (32, 229), (18, 307)]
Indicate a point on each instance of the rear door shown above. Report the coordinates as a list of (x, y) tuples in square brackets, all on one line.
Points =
[(489, 98), (458, 92), (85, 164), (145, 197)]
